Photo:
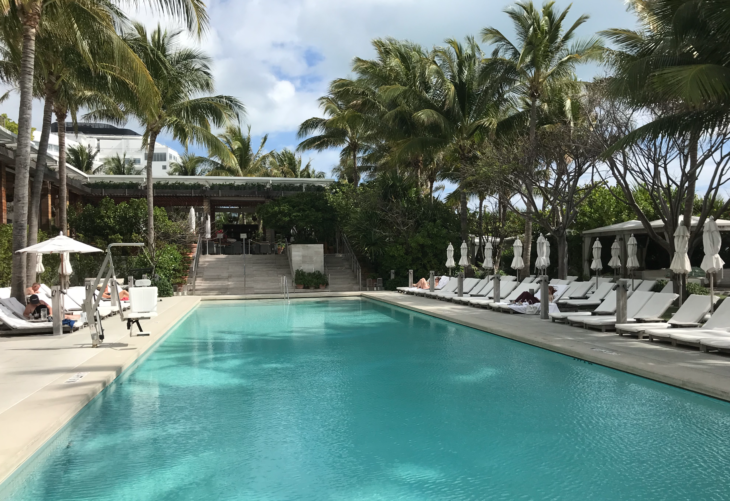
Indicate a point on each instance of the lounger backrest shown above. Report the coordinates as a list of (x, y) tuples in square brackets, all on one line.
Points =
[(646, 285), (508, 278), (442, 282), (578, 290), (517, 291), (608, 305), (5, 292), (669, 288), (8, 318), (451, 286), (477, 290), (721, 318), (143, 299), (486, 289), (505, 289), (603, 290), (528, 280), (656, 306), (560, 291), (13, 306), (470, 284), (46, 290), (570, 289), (75, 298), (693, 310), (636, 302), (572, 278)]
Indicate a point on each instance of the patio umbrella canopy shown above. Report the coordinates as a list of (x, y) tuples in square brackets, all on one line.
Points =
[(450, 256), (464, 260), (517, 261), (59, 245), (542, 261), (488, 263), (615, 261), (712, 262), (596, 264), (191, 220)]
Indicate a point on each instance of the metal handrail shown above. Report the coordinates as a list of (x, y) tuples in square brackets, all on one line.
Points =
[(196, 260), (354, 264)]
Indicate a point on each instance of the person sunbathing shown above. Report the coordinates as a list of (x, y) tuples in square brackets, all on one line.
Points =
[(33, 289), (35, 307), (123, 295), (423, 283), (528, 298)]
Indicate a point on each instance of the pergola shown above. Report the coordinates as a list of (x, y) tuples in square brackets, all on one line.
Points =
[(623, 232)]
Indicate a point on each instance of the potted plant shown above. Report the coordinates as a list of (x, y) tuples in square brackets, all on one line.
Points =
[(299, 279)]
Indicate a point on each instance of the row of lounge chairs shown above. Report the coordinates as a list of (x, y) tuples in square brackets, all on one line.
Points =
[(592, 305), (12, 319)]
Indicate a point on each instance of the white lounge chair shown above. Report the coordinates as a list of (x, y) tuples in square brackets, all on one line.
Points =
[(715, 344), (534, 309), (506, 300), (476, 292), (692, 311), (717, 326), (576, 291), (505, 289), (654, 305), (607, 307), (143, 306), (14, 325), (646, 285), (594, 300), (450, 286), (442, 281), (668, 288), (468, 285)]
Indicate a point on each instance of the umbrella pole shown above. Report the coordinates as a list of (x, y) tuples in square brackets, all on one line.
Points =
[(712, 293)]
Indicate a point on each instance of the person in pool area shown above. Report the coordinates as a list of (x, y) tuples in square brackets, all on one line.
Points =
[(123, 295), (35, 306), (528, 298), (423, 283), (33, 289)]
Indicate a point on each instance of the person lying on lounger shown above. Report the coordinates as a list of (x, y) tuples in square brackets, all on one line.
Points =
[(423, 283), (123, 295), (33, 289), (528, 298), (35, 307)]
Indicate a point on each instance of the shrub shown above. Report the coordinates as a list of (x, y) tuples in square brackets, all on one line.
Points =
[(693, 288), (164, 287), (310, 279), (660, 284)]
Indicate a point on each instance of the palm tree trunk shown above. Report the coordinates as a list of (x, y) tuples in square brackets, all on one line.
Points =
[(430, 189), (30, 15), (562, 237), (481, 226), (464, 218), (150, 194), (355, 175), (62, 188), (35, 196)]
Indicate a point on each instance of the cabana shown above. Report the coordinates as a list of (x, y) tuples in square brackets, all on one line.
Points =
[(623, 232)]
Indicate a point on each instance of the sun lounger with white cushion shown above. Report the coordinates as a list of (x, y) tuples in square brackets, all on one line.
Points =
[(607, 307), (468, 285), (505, 289), (715, 343), (717, 325), (507, 299), (646, 285), (668, 288), (692, 311), (654, 305), (476, 292), (13, 325), (533, 309), (594, 300), (450, 286)]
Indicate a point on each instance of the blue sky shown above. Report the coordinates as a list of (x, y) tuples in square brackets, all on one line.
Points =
[(278, 56)]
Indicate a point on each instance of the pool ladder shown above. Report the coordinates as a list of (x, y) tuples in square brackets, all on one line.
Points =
[(285, 286)]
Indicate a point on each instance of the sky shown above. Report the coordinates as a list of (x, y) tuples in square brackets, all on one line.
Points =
[(278, 56)]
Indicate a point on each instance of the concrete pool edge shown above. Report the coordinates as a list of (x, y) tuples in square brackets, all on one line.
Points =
[(703, 373), (27, 427)]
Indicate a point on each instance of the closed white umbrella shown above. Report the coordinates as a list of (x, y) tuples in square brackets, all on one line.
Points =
[(191, 220), (488, 263), (632, 262), (542, 261), (207, 228), (464, 259), (712, 262), (615, 261), (39, 268), (680, 262), (517, 262), (450, 257), (596, 264)]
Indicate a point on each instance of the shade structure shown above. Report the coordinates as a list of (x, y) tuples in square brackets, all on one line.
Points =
[(464, 259), (543, 253), (59, 245), (680, 262), (39, 268), (488, 263), (712, 262), (615, 261), (450, 256), (191, 220), (207, 228), (517, 262)]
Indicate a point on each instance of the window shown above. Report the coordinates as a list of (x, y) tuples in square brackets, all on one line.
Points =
[(157, 157), (164, 167), (137, 161)]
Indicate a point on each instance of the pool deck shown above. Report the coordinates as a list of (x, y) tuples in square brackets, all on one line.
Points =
[(45, 381), (688, 368), (40, 387)]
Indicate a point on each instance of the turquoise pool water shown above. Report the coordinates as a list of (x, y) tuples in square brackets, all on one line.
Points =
[(357, 400)]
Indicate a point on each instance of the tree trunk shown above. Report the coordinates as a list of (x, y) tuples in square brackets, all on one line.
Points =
[(30, 15), (62, 189), (355, 176), (430, 189), (527, 244), (481, 227), (464, 218), (691, 184), (562, 254), (35, 196), (150, 194)]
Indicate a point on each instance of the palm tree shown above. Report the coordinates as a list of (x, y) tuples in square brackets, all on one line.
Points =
[(82, 157), (344, 127), (543, 55), (30, 14), (240, 161), (190, 164), (185, 108), (119, 166), (286, 163)]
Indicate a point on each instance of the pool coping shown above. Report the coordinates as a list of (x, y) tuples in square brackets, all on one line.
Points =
[(28, 426), (704, 373)]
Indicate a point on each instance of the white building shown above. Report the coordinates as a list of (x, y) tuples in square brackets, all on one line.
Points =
[(109, 141)]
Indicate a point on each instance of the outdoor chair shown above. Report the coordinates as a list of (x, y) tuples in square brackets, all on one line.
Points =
[(607, 307), (717, 326), (655, 306), (506, 289), (692, 311)]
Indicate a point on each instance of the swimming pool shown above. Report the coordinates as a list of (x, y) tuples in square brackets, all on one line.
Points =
[(355, 399)]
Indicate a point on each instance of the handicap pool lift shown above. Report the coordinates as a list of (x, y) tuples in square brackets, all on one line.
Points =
[(142, 298)]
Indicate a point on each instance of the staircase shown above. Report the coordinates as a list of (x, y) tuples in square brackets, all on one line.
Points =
[(223, 275), (341, 276)]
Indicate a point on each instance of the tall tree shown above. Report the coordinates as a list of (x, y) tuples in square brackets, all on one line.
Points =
[(240, 160), (543, 54), (29, 13), (119, 166), (190, 164), (82, 157), (185, 108)]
